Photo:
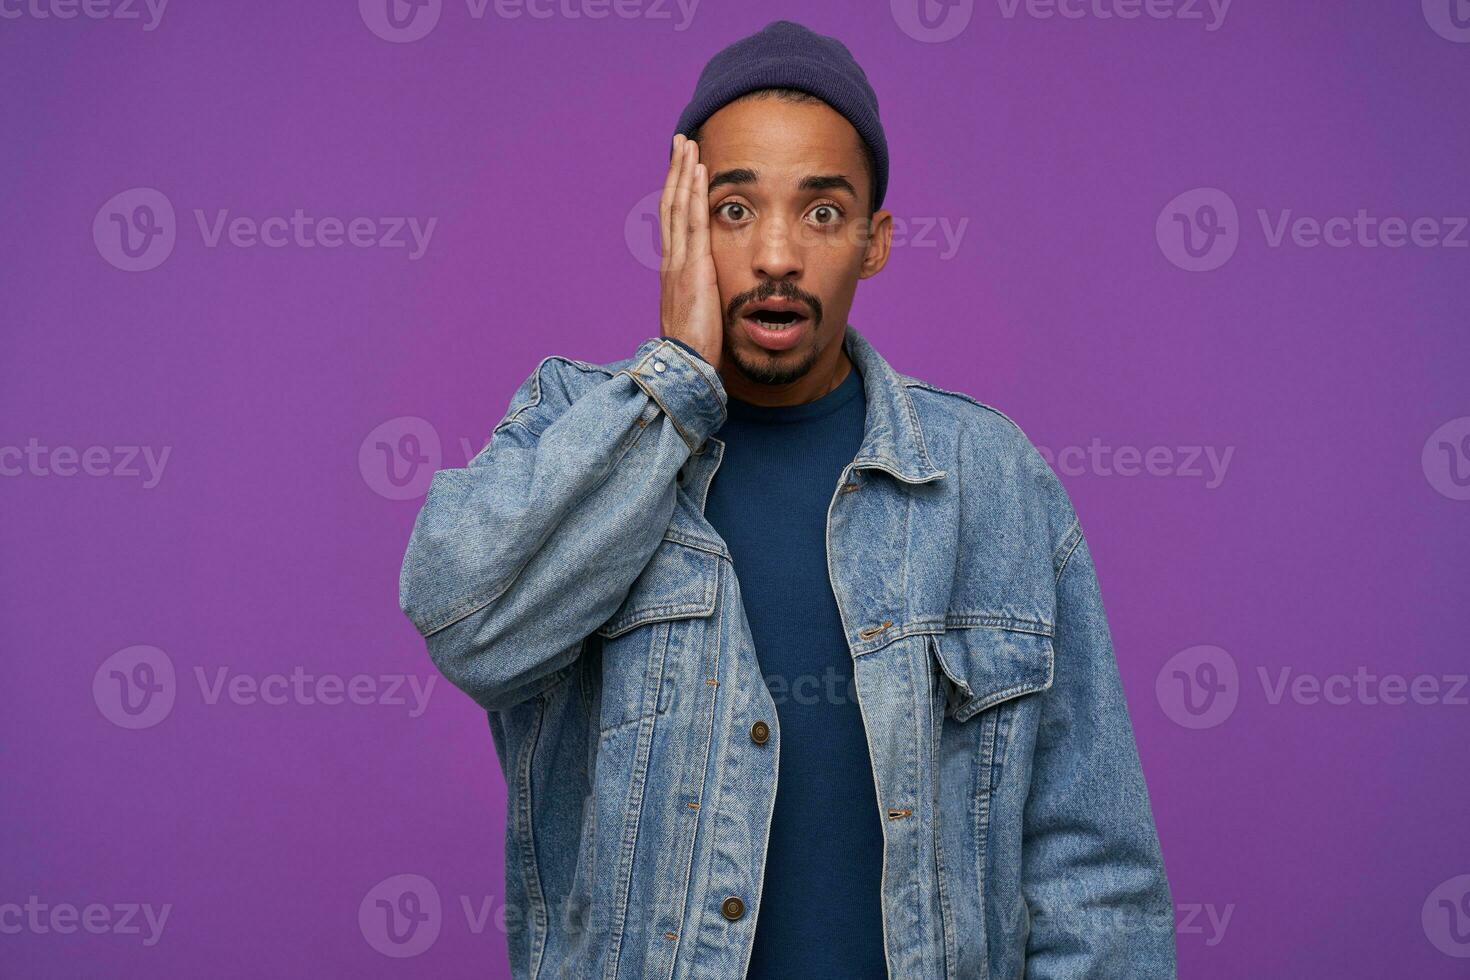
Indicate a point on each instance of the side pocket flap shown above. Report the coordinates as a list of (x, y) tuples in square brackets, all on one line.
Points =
[(679, 581), (987, 665)]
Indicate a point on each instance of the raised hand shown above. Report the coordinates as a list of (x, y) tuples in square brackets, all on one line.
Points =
[(690, 295)]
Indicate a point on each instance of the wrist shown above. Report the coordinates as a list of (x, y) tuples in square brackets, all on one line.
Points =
[(691, 349)]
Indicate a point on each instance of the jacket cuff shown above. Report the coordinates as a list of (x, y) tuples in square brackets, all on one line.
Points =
[(685, 385), (685, 346)]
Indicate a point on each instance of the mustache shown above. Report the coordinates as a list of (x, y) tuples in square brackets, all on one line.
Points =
[(773, 290)]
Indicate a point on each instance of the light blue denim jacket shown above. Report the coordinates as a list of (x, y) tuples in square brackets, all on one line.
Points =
[(567, 580)]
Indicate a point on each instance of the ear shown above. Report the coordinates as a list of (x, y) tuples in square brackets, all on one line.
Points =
[(880, 240)]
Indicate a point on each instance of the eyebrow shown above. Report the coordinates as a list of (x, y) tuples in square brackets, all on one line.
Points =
[(811, 182)]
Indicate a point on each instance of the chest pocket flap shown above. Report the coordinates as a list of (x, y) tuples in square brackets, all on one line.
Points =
[(679, 581), (986, 665)]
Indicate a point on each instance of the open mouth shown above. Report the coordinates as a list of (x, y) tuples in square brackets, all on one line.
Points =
[(776, 319), (777, 325)]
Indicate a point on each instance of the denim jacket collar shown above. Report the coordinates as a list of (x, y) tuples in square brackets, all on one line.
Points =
[(892, 439)]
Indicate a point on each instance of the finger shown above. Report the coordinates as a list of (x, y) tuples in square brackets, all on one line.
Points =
[(699, 246), (666, 199), (679, 212), (676, 233)]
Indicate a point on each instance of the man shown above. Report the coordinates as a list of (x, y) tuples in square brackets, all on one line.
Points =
[(753, 550)]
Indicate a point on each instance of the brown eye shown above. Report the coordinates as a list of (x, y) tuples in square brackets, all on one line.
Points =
[(832, 210), (732, 204)]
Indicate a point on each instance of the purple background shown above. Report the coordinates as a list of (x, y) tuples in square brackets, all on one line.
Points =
[(1335, 542)]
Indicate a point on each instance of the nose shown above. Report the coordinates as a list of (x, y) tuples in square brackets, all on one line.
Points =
[(776, 256)]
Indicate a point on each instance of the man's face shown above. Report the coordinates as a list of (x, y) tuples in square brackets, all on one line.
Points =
[(788, 220)]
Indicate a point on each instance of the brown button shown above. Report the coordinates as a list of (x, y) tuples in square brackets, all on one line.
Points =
[(732, 908), (759, 732)]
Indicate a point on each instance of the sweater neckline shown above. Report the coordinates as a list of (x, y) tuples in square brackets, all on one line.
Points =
[(847, 389)]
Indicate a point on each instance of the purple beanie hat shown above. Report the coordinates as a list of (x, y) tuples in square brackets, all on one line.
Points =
[(786, 54)]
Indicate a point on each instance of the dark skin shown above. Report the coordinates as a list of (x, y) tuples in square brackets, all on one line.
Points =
[(784, 215)]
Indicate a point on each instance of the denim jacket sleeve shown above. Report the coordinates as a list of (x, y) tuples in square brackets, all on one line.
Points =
[(1092, 870), (519, 556)]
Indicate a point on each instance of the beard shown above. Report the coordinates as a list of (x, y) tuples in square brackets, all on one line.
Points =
[(770, 367)]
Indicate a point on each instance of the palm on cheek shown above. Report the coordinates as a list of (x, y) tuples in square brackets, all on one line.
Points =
[(689, 289)]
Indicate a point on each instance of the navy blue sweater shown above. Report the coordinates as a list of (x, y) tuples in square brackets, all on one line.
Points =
[(820, 911)]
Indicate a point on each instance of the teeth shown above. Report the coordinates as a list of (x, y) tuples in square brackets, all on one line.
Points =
[(773, 325)]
